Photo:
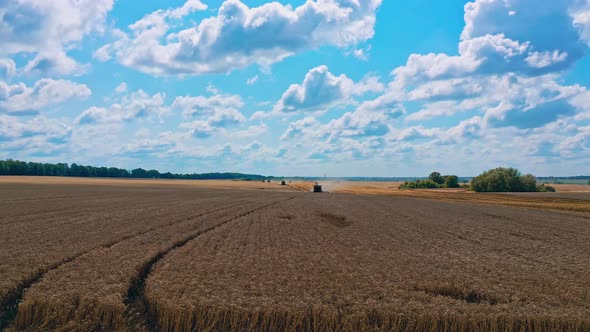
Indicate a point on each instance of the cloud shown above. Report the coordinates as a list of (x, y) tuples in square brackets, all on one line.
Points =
[(209, 114), (54, 63), (201, 106), (12, 128), (539, 38), (198, 129), (499, 96), (47, 29), (533, 118), (121, 88), (7, 68), (134, 106), (459, 88), (39, 136), (367, 121), (252, 80), (226, 117), (486, 94), (546, 25), (239, 36), (581, 15), (251, 131), (416, 133), (21, 99), (361, 53), (322, 90), (161, 143), (297, 128)]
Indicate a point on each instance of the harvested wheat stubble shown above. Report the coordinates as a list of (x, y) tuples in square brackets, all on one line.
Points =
[(570, 201), (90, 292), (354, 263)]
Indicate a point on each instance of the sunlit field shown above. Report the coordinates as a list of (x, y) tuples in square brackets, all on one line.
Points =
[(139, 255)]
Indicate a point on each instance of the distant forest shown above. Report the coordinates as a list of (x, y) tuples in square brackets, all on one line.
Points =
[(580, 177), (16, 167)]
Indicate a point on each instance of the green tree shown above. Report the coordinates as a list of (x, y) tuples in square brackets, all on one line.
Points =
[(3, 168), (452, 181), (503, 180), (74, 170), (153, 174), (528, 183), (139, 173), (436, 177)]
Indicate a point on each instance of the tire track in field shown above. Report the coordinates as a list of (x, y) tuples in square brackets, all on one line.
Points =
[(137, 314), (9, 305)]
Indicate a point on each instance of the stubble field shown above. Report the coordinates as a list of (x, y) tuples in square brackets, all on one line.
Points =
[(242, 256)]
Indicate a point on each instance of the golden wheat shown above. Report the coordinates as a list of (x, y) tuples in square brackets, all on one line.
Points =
[(255, 260), (353, 263)]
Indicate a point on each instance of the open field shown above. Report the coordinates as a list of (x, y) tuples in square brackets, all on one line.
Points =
[(138, 255)]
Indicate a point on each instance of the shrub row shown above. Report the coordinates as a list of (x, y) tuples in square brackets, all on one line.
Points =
[(435, 180)]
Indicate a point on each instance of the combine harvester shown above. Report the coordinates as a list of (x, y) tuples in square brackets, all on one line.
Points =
[(317, 188)]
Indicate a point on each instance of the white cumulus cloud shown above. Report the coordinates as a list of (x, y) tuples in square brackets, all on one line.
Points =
[(134, 106), (239, 36), (20, 98), (321, 90), (47, 29)]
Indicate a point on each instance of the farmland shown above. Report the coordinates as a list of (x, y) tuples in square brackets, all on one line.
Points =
[(138, 255), (569, 198)]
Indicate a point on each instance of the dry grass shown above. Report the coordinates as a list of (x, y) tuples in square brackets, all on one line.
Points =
[(397, 264)]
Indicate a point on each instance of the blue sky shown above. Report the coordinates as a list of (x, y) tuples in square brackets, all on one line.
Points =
[(337, 87)]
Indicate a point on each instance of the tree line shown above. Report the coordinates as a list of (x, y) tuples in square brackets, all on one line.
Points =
[(17, 167), (495, 180), (507, 180), (435, 180)]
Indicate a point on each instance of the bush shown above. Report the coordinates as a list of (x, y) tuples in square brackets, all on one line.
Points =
[(420, 184), (452, 181), (543, 189), (528, 183), (435, 180), (504, 180)]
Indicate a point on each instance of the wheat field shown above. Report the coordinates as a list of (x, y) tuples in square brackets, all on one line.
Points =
[(155, 255)]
